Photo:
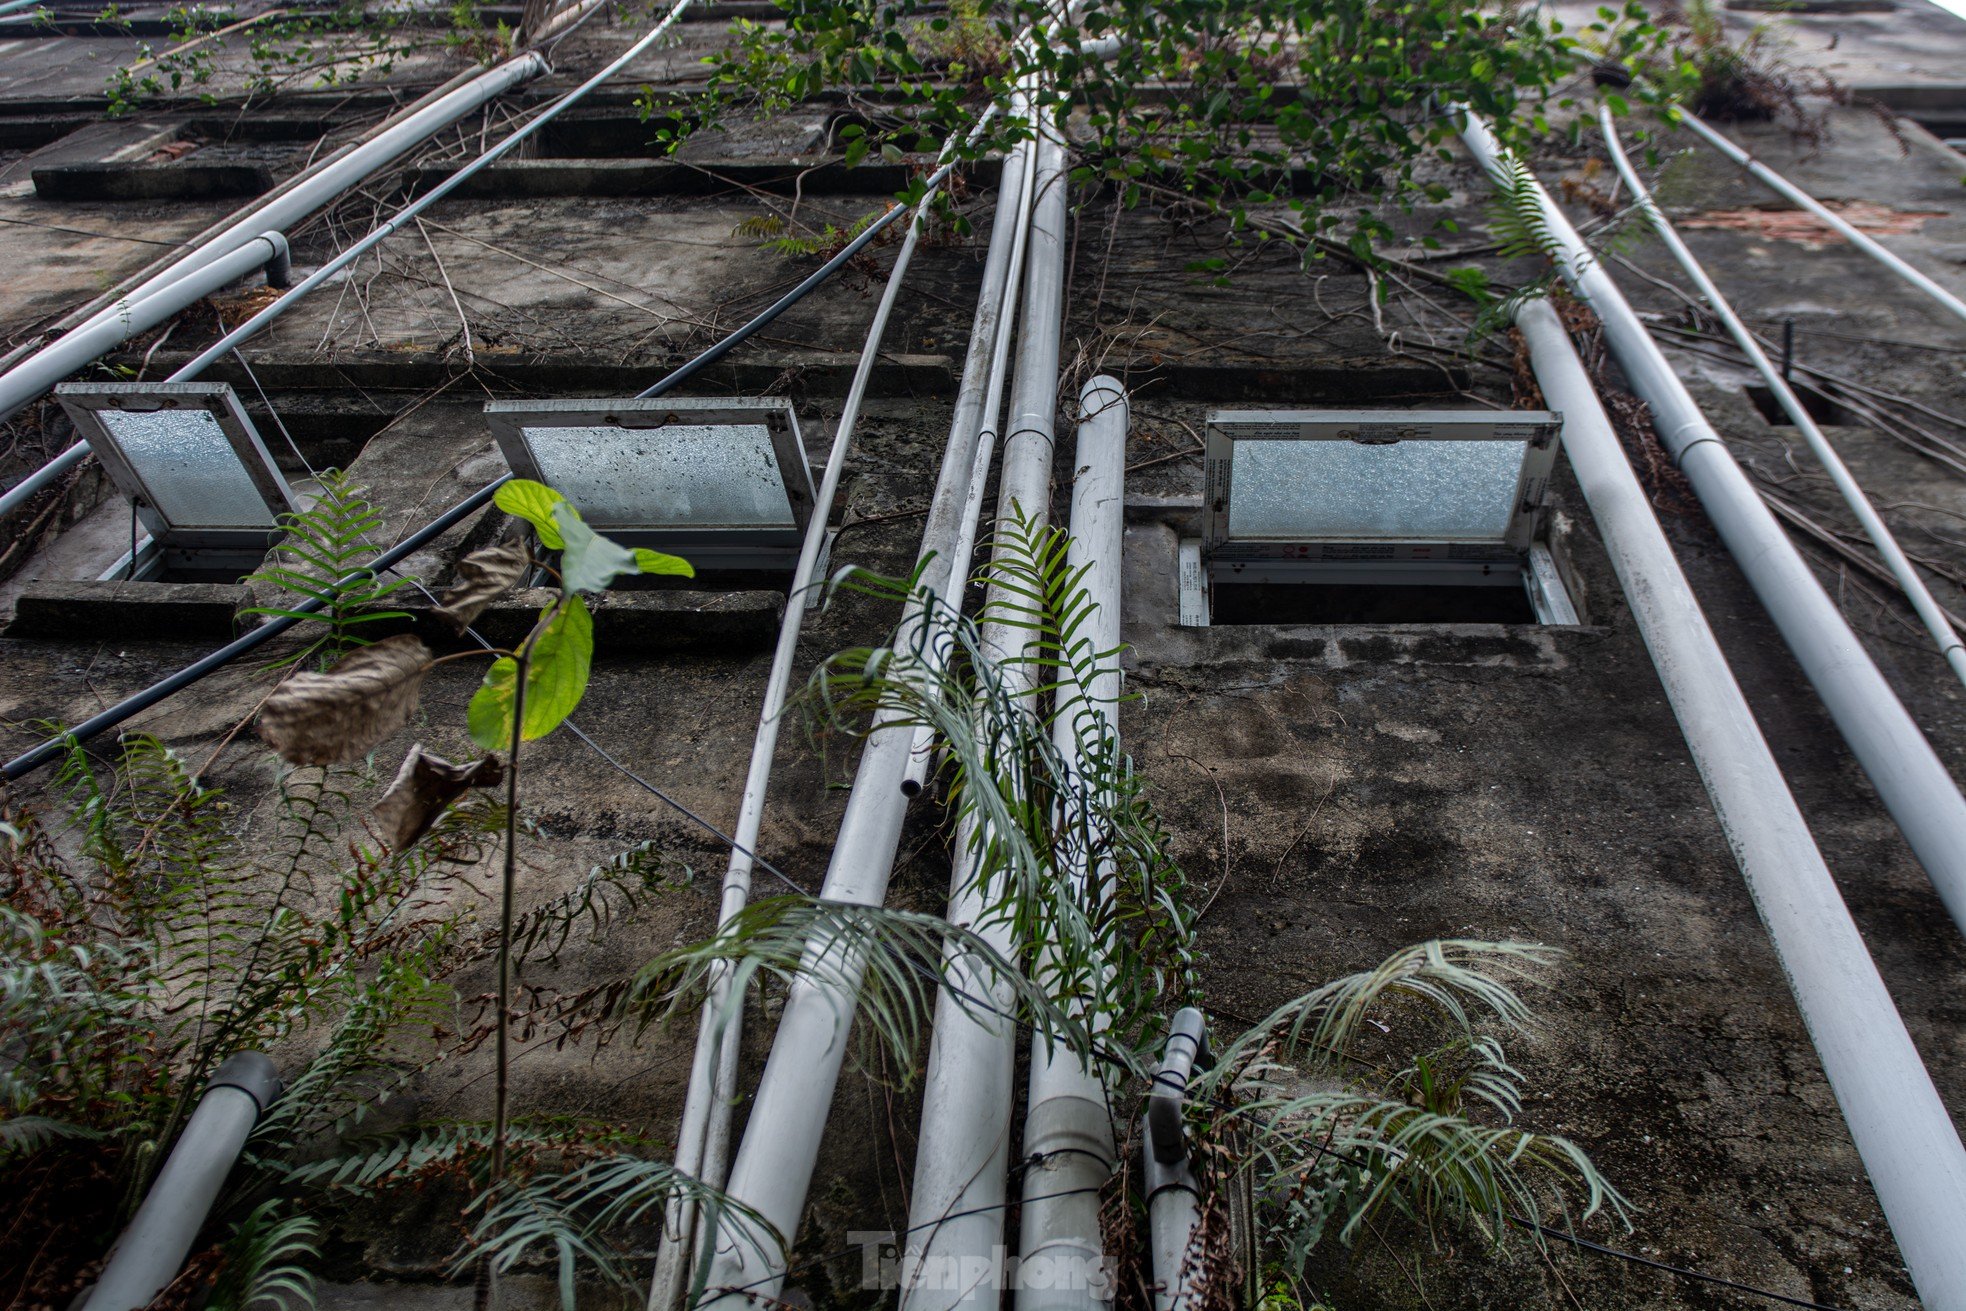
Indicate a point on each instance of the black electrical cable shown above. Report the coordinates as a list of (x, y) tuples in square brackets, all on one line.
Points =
[(38, 756)]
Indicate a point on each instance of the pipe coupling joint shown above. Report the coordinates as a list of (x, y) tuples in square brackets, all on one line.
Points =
[(252, 1073)]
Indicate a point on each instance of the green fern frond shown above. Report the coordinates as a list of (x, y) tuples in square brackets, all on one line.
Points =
[(263, 1268), (323, 556)]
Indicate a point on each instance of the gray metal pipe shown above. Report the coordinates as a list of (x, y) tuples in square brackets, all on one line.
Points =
[(1907, 773), (955, 1217), (703, 1138), (1927, 607), (1795, 195), (773, 1168), (1900, 1126), (33, 376), (322, 184), (152, 1250), (1068, 1128), (1167, 1176)]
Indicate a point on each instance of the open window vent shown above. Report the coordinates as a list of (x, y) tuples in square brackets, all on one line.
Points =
[(721, 482), (1348, 516), (206, 491)]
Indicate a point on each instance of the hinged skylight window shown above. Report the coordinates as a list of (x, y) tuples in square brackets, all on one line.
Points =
[(723, 482), (205, 487), (1387, 484), (1358, 501)]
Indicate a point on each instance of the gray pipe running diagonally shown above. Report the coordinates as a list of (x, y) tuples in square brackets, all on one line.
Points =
[(179, 282), (284, 211), (74, 350), (1906, 772), (1900, 1126), (1921, 599), (1068, 1126), (702, 1142), (1795, 195), (152, 1250)]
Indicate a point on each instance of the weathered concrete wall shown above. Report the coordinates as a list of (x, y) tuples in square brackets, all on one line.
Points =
[(1334, 793)]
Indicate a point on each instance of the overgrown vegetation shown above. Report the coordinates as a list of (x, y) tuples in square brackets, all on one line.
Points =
[(152, 930)]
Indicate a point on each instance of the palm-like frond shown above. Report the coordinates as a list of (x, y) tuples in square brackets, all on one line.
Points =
[(573, 1216), (1348, 1154), (879, 965)]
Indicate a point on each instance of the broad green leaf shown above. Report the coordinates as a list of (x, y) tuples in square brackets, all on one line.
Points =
[(556, 679), (536, 503), (655, 562), (588, 561)]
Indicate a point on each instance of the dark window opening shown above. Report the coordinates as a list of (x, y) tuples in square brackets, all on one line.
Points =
[(1818, 407), (1354, 603)]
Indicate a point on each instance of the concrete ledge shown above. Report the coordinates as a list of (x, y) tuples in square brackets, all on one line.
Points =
[(66, 611), (99, 182), (632, 623), (823, 373), (663, 177)]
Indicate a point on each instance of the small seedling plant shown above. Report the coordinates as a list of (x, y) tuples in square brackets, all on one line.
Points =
[(345, 712)]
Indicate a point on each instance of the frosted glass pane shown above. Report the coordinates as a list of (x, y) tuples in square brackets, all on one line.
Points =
[(192, 474), (1406, 491), (683, 476)]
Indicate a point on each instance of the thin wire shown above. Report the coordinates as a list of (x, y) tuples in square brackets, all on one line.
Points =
[(267, 401)]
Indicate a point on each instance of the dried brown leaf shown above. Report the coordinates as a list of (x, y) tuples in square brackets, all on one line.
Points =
[(482, 577), (423, 787), (323, 719)]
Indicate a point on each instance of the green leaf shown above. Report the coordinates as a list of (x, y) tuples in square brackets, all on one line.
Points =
[(556, 679), (588, 561), (655, 562), (535, 503)]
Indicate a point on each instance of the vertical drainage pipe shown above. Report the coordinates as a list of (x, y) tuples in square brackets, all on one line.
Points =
[(1068, 1127), (1907, 773), (780, 1148), (1901, 567), (1900, 1126), (1167, 1175), (955, 1216), (152, 1250), (1795, 195), (702, 1147), (74, 350)]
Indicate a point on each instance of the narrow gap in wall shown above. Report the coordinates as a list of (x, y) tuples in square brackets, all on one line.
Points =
[(1352, 603), (1819, 407)]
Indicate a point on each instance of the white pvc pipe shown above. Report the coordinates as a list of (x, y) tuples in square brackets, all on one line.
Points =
[(1846, 483), (1907, 773), (776, 1159), (33, 376), (384, 230), (1797, 196), (956, 1218), (924, 749), (1068, 1131), (1901, 1129), (1167, 1176), (152, 1250), (704, 1135)]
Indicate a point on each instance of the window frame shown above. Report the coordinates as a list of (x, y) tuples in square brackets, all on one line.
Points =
[(172, 547), (1539, 430), (728, 547)]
